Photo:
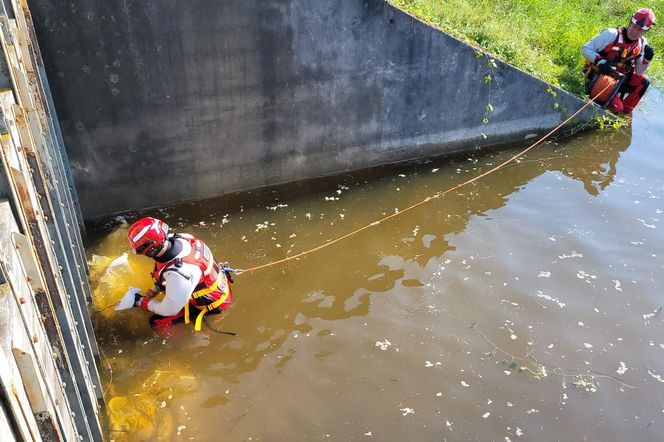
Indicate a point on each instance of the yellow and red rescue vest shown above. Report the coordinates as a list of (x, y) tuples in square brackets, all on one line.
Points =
[(212, 289), (622, 52)]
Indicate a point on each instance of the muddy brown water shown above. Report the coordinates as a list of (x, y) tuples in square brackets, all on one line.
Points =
[(522, 307)]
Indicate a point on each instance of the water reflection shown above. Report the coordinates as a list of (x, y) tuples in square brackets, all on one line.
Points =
[(277, 308), (600, 155)]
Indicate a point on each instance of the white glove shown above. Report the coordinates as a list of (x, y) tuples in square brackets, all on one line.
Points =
[(127, 301)]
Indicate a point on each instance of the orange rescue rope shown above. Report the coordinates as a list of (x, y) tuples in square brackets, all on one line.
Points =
[(426, 200), (601, 90)]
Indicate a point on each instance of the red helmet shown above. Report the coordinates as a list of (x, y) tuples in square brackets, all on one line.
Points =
[(644, 18), (147, 235)]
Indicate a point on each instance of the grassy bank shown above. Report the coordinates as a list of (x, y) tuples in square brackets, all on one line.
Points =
[(542, 37)]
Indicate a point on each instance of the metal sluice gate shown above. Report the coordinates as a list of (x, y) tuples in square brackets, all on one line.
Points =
[(49, 383)]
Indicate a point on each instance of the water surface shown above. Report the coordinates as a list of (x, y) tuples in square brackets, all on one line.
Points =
[(523, 307)]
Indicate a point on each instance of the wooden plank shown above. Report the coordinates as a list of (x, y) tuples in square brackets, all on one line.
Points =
[(27, 332), (28, 261), (32, 318), (15, 397), (23, 194), (32, 379), (53, 274), (36, 392)]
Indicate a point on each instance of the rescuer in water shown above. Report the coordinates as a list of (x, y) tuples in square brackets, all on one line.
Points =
[(193, 283), (624, 51)]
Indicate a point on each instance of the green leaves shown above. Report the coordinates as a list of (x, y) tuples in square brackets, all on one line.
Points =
[(542, 37)]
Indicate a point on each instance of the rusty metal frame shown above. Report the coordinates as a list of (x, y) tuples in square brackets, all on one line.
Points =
[(44, 198)]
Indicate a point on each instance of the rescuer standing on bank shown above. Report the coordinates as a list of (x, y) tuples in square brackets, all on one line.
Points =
[(623, 51), (193, 283)]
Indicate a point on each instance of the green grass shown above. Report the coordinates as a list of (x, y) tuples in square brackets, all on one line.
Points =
[(542, 37)]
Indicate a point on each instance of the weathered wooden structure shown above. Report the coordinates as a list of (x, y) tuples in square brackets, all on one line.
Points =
[(49, 384)]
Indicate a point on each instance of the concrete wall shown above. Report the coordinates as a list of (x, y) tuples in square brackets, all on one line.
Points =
[(163, 100)]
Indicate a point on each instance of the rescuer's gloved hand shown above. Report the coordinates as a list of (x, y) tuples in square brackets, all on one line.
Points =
[(605, 67), (648, 53), (228, 271), (129, 299), (141, 301)]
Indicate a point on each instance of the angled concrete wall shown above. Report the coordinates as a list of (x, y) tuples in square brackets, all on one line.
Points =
[(162, 100)]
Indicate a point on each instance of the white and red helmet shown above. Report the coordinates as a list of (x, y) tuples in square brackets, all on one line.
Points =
[(147, 236), (644, 18)]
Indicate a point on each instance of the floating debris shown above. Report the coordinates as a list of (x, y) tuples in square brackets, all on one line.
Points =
[(583, 275), (588, 385), (515, 304), (622, 369), (571, 255), (650, 226), (383, 345), (656, 376), (647, 317), (550, 298)]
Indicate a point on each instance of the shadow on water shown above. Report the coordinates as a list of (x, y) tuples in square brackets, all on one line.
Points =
[(339, 282)]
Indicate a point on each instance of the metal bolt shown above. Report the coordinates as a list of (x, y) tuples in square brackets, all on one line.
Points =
[(35, 338), (21, 300)]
